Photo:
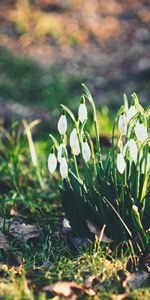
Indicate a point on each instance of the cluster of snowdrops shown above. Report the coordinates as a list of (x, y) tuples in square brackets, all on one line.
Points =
[(116, 187)]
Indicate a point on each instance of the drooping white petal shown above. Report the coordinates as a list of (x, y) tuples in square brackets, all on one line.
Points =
[(131, 145), (74, 142), (131, 113), (61, 148), (62, 125), (141, 132), (52, 163), (76, 149), (121, 164), (73, 138), (82, 112), (63, 168), (122, 124), (86, 151)]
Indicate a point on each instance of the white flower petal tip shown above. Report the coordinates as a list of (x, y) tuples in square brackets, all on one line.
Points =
[(82, 112), (76, 149), (52, 163), (141, 132), (63, 168), (61, 149), (135, 208), (74, 142), (66, 225), (133, 150), (62, 125), (122, 124), (131, 113), (121, 164), (86, 151)]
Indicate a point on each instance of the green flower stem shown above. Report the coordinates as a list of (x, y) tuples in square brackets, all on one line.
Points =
[(114, 170), (92, 152), (76, 166), (123, 194), (90, 99), (138, 169), (129, 126), (139, 227)]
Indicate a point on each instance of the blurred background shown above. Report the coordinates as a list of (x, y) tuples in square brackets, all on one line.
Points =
[(49, 47)]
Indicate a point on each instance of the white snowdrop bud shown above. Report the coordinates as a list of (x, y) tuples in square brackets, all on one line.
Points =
[(141, 132), (76, 149), (131, 113), (62, 125), (86, 151), (74, 142), (131, 145), (121, 164), (82, 112), (61, 149), (73, 137), (52, 163), (63, 168), (135, 208), (122, 124)]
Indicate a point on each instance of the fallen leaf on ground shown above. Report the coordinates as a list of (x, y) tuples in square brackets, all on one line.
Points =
[(4, 244), (67, 289), (79, 243), (20, 230), (26, 231), (146, 262), (89, 281), (99, 233), (136, 280)]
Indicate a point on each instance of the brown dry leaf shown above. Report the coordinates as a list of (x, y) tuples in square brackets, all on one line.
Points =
[(4, 244), (135, 280), (99, 233), (67, 289), (21, 230), (89, 281), (80, 243), (26, 231)]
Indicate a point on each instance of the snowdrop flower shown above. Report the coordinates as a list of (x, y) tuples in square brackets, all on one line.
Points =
[(63, 168), (74, 142), (121, 164), (122, 124), (82, 112), (86, 151), (131, 113), (131, 145), (141, 132), (62, 124), (52, 163), (61, 149)]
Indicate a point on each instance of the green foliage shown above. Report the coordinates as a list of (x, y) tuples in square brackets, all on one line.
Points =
[(22, 80)]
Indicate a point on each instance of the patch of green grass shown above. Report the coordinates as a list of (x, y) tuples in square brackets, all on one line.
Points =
[(24, 81)]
